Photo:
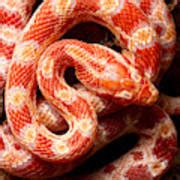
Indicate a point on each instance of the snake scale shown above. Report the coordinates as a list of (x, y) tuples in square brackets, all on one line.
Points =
[(30, 57)]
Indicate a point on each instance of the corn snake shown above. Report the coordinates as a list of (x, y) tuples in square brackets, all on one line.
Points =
[(149, 74), (108, 130)]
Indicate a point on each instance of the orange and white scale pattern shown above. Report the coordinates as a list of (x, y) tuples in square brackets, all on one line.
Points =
[(152, 154), (14, 16), (130, 74), (163, 23), (18, 161), (21, 83)]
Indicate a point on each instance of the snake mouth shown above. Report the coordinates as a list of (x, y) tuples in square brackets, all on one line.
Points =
[(147, 95), (143, 93)]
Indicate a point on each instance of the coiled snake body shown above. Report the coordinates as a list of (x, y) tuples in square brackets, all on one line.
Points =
[(144, 28)]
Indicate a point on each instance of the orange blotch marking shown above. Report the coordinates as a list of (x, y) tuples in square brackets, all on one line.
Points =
[(109, 168), (86, 6), (19, 118), (21, 75), (2, 145), (11, 18), (6, 50), (43, 145), (139, 172), (146, 6), (129, 18), (137, 155), (149, 58), (45, 23)]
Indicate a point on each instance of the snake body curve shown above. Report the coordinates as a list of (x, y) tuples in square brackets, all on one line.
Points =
[(20, 91), (142, 60), (149, 154)]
